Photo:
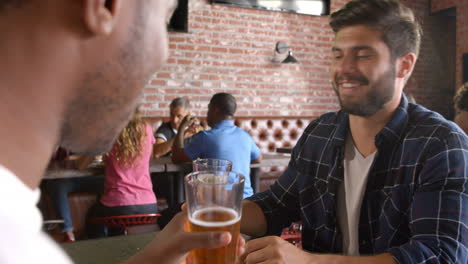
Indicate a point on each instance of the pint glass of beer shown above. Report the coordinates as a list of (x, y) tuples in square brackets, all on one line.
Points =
[(211, 165), (214, 203)]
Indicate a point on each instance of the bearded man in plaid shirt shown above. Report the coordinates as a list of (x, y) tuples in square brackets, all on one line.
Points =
[(380, 181)]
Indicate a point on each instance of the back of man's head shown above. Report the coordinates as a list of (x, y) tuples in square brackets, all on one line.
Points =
[(225, 102), (180, 102), (400, 30)]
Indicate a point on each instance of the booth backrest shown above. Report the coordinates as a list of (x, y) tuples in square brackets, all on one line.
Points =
[(269, 133)]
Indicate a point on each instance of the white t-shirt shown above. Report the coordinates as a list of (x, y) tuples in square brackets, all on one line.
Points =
[(350, 195), (21, 236)]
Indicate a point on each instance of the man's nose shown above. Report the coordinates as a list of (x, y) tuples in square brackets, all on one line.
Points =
[(347, 65)]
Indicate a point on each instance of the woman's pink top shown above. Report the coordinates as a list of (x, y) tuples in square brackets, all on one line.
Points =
[(130, 186)]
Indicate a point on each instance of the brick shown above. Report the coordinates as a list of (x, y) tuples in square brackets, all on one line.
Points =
[(230, 49)]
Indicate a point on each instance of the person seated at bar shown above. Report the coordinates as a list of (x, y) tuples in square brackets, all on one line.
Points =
[(165, 134), (379, 181), (224, 141), (127, 187), (58, 189), (461, 107)]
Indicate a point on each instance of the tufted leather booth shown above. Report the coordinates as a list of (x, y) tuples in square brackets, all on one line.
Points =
[(269, 133)]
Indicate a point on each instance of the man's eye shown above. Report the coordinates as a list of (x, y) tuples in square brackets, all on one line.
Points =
[(364, 56)]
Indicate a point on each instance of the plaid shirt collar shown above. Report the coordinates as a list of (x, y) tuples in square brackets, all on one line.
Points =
[(390, 134)]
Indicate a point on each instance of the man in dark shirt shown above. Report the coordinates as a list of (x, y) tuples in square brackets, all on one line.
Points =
[(165, 135), (381, 177)]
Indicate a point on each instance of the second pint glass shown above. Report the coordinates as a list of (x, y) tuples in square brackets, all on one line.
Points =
[(211, 165), (214, 203)]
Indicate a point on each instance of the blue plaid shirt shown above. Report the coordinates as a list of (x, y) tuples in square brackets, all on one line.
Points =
[(416, 202)]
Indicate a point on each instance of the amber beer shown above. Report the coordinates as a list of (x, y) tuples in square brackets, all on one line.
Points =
[(215, 219)]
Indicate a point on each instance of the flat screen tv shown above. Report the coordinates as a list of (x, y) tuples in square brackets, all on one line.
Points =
[(179, 20), (306, 7)]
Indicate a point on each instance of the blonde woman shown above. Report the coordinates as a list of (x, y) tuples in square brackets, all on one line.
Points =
[(128, 188)]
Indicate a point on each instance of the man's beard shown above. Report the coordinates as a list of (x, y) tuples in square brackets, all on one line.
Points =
[(380, 92)]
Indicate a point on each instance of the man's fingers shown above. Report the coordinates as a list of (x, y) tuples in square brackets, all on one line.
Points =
[(240, 246), (193, 240), (184, 207), (257, 244), (179, 219)]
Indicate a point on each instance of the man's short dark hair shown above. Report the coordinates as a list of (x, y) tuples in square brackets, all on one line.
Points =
[(225, 102), (400, 30), (182, 102), (461, 98)]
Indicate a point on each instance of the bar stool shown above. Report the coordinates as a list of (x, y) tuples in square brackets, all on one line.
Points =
[(125, 221)]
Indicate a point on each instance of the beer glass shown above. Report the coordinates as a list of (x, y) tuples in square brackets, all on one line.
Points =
[(214, 203), (211, 165)]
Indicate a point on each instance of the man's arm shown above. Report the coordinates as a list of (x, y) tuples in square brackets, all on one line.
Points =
[(162, 147), (83, 161), (253, 221), (178, 154), (257, 160), (273, 249), (437, 218), (171, 245)]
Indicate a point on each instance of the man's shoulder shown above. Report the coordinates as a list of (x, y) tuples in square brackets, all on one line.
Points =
[(165, 126), (423, 122), (326, 122), (165, 129), (242, 131)]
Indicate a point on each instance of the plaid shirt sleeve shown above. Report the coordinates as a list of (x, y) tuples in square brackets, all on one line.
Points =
[(439, 209), (280, 203)]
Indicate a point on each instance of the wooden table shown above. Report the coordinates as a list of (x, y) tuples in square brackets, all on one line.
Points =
[(272, 159), (107, 250), (158, 165), (284, 150), (164, 164)]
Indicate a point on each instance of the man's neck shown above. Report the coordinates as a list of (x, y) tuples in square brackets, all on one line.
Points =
[(28, 139), (221, 120), (364, 129)]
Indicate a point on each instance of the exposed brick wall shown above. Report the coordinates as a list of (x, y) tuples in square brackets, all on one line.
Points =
[(230, 49)]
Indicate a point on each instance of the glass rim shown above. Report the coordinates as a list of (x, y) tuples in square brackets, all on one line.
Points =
[(210, 159), (240, 175)]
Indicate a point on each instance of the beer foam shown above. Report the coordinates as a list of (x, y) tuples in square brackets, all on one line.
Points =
[(210, 178), (194, 219)]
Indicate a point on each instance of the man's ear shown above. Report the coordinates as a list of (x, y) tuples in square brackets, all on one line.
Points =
[(405, 65), (100, 15)]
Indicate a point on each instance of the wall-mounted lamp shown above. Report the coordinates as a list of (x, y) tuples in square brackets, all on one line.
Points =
[(282, 48)]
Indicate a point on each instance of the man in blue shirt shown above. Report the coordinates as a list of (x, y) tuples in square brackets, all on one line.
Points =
[(380, 181), (224, 141)]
